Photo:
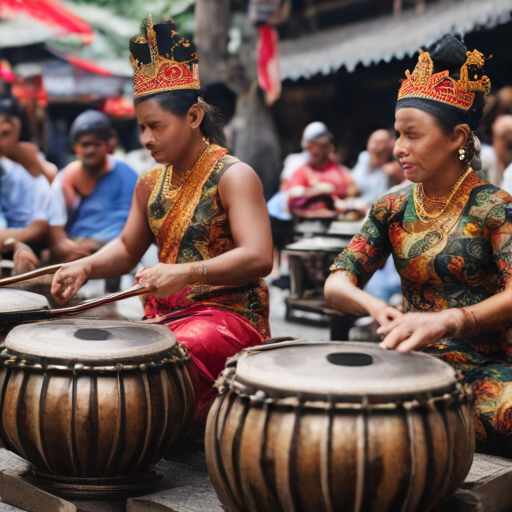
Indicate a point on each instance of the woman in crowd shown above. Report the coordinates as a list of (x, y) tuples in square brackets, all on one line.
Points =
[(204, 209), (450, 237)]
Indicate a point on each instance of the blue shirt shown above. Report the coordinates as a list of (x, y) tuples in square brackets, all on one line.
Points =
[(23, 198), (102, 215)]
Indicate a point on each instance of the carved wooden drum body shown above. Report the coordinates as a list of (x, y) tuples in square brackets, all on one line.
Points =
[(93, 404), (331, 427)]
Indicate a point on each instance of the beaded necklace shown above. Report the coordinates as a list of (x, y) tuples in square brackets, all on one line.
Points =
[(171, 179), (432, 208)]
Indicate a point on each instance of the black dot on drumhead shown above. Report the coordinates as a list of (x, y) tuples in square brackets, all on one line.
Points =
[(93, 334), (350, 359)]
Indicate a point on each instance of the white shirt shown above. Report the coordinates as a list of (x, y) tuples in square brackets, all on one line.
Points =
[(57, 211), (506, 183), (372, 183)]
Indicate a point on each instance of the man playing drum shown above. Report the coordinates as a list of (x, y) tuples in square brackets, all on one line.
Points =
[(204, 209)]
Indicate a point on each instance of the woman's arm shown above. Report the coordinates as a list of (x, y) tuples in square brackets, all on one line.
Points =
[(343, 294), (241, 194), (413, 331)]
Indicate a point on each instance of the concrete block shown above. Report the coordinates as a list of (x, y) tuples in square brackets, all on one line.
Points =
[(487, 488)]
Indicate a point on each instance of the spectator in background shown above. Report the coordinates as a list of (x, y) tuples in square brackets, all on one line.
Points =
[(368, 173), (502, 144), (91, 196), (25, 153), (281, 220), (316, 186), (24, 187), (295, 161)]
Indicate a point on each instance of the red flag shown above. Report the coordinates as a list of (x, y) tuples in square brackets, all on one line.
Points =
[(6, 72), (49, 12), (269, 77)]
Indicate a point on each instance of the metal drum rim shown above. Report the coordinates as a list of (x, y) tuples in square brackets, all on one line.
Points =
[(178, 355), (19, 351), (232, 379)]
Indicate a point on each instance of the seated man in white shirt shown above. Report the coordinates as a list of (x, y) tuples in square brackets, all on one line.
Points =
[(370, 177)]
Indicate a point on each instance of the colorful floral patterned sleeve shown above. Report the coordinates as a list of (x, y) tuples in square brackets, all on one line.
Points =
[(498, 229), (369, 249)]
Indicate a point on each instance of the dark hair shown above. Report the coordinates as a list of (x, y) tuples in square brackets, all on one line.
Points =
[(179, 103), (10, 108), (91, 122)]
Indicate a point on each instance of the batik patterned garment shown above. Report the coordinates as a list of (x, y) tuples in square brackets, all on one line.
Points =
[(459, 259), (190, 224)]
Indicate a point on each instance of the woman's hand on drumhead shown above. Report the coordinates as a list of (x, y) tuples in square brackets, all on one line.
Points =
[(386, 315), (412, 331), (68, 280), (165, 279)]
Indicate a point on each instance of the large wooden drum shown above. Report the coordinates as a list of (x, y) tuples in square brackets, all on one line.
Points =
[(331, 427), (93, 404)]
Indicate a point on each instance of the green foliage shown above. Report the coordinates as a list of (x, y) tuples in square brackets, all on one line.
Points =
[(180, 10)]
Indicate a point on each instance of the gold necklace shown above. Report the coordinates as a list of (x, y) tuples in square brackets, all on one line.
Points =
[(432, 208), (169, 174)]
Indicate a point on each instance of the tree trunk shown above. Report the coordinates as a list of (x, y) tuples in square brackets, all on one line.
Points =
[(211, 37), (255, 140)]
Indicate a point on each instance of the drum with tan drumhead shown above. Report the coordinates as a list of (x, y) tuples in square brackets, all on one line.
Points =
[(93, 404), (335, 427)]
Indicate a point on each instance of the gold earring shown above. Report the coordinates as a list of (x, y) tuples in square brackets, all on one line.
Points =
[(462, 154)]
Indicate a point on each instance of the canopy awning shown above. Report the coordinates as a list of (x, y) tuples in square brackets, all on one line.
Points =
[(24, 22), (382, 39)]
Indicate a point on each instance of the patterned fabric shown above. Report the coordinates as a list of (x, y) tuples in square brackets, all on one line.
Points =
[(457, 260), (190, 224)]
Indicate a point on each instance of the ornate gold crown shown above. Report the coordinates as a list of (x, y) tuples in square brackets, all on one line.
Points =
[(163, 73), (441, 87)]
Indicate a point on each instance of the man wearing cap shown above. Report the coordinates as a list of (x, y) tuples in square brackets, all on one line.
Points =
[(92, 195), (316, 186)]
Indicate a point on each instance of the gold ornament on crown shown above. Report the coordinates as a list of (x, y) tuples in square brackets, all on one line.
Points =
[(163, 73), (421, 83)]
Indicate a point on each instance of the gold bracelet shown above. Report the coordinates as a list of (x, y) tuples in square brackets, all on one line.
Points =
[(205, 270)]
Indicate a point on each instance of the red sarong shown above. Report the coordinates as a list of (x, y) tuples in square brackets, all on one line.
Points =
[(211, 335)]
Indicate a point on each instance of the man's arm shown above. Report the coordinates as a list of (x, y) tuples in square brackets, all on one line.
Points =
[(32, 233)]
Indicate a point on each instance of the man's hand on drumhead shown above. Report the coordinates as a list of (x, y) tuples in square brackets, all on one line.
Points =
[(68, 280)]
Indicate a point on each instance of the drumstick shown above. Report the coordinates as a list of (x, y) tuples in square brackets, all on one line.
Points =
[(138, 289), (30, 275), (18, 317)]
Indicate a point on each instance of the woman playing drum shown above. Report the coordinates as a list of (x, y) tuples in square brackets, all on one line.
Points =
[(203, 208), (450, 237)]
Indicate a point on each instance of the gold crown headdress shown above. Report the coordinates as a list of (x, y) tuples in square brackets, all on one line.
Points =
[(162, 60), (421, 83)]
